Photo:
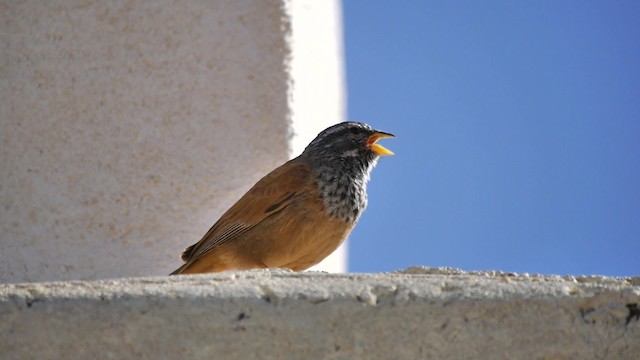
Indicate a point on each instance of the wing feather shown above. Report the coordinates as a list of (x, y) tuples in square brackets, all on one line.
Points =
[(267, 197)]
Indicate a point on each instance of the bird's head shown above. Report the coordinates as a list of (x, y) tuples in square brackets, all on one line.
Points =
[(349, 142)]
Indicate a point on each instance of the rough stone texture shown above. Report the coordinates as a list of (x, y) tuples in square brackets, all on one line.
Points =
[(273, 314), (128, 127)]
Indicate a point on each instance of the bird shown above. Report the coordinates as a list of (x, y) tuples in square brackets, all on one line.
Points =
[(299, 213)]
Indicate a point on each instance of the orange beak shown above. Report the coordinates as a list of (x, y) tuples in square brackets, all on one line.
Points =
[(377, 148)]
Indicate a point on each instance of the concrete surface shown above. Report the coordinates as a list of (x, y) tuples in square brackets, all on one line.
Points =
[(129, 127), (419, 313)]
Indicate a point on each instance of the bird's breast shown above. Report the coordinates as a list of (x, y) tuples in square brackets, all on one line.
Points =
[(343, 194)]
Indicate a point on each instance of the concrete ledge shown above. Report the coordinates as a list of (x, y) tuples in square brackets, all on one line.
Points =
[(417, 313)]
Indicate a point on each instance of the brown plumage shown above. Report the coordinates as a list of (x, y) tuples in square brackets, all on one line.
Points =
[(297, 214)]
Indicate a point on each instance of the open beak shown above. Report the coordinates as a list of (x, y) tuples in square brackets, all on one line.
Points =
[(377, 148)]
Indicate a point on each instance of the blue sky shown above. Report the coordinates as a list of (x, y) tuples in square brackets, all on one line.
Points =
[(518, 127)]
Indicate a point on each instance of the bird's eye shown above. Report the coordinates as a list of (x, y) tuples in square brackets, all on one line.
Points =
[(354, 130)]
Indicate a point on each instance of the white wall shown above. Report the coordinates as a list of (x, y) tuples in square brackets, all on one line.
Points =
[(129, 127), (319, 90)]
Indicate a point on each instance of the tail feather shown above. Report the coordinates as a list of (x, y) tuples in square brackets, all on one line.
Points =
[(186, 256), (179, 270)]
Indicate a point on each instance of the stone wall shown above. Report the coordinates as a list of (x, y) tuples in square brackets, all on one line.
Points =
[(273, 314), (129, 127)]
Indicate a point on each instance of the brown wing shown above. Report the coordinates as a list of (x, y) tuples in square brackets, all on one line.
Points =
[(267, 197)]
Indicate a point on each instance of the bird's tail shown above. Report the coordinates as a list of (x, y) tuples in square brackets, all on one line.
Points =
[(179, 270)]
